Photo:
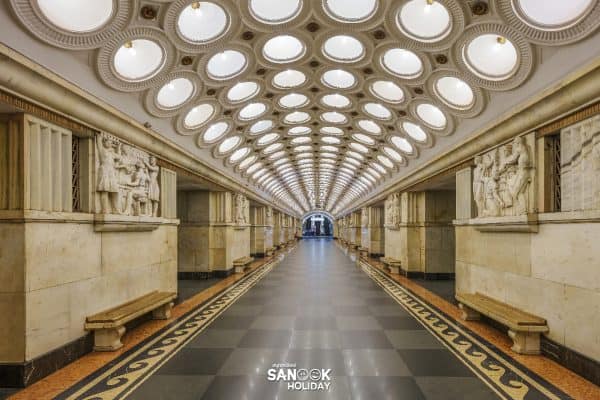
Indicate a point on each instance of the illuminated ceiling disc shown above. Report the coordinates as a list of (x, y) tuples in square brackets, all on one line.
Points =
[(139, 59), (377, 110), (403, 63), (293, 100), (226, 64), (343, 48), (175, 93), (198, 116), (201, 22), (369, 126), (215, 132), (432, 115), (414, 131), (387, 91), (297, 117), (352, 11), (402, 144), (289, 79), (334, 117), (252, 110), (424, 21), (552, 14), (491, 56), (275, 11), (77, 15), (229, 144), (336, 100), (242, 91), (338, 79), (454, 92), (283, 49)]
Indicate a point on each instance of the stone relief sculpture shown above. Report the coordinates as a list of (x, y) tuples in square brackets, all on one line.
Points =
[(502, 179), (364, 218), (241, 209), (269, 216), (392, 211), (126, 179)]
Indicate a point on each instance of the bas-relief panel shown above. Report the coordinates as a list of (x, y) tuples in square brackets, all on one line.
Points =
[(503, 179), (126, 179), (580, 166), (392, 211)]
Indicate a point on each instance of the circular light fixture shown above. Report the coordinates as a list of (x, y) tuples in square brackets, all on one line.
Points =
[(402, 144), (175, 93), (431, 115), (454, 92), (377, 111), (239, 154), (358, 147), (229, 144), (363, 139), (77, 15), (343, 48), (552, 14), (198, 115), (338, 79), (393, 154), (334, 117), (139, 59), (299, 130), (350, 10), (246, 163), (272, 148), (202, 22), (288, 79), (275, 11), (242, 91), (414, 131), (215, 132), (267, 139), (369, 126), (296, 117), (251, 111), (226, 64), (293, 100), (336, 100), (330, 140), (386, 161), (261, 126), (300, 140), (331, 130), (424, 21), (403, 63), (491, 57), (387, 91), (283, 49)]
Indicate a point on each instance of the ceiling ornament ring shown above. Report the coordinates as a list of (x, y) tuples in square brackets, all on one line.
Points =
[(309, 103), (31, 16), (249, 133), (429, 139), (447, 130), (550, 36), (106, 69), (150, 103), (370, 94), (328, 19), (180, 126), (282, 68), (301, 59), (383, 121), (215, 149), (457, 26), (201, 143), (363, 61), (525, 55), (479, 95), (358, 79), (405, 156), (219, 82), (227, 103), (300, 17), (377, 62), (397, 164), (171, 16), (255, 118)]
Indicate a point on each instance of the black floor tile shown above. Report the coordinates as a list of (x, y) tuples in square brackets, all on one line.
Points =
[(193, 361), (434, 362)]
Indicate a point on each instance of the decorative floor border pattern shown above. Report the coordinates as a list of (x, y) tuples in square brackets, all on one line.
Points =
[(119, 378), (508, 378)]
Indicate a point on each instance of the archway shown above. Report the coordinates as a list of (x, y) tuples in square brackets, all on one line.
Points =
[(317, 224)]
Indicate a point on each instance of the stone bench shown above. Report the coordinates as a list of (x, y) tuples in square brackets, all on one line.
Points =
[(109, 325), (242, 263), (523, 328), (393, 264), (270, 251), (363, 252)]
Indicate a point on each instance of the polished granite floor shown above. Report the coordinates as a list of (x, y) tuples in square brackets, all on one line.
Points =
[(315, 310), (187, 288)]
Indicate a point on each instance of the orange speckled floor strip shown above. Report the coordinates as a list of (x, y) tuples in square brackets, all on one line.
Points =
[(58, 382)]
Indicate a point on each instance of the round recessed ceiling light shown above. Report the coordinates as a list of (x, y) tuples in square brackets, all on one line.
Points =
[(275, 11), (552, 14), (175, 93), (338, 79), (402, 144), (139, 59), (77, 15), (491, 56), (252, 110), (288, 79), (432, 115), (283, 49), (336, 100), (331, 130), (359, 147), (201, 22), (261, 126), (267, 139), (385, 161), (226, 64), (369, 126), (403, 63), (296, 117), (242, 91), (393, 154), (244, 164), (198, 116), (425, 21), (387, 91), (229, 144), (377, 110), (272, 148), (293, 100), (350, 10), (299, 130), (215, 132), (454, 92), (239, 154), (334, 117), (343, 48), (300, 140), (330, 140), (363, 139), (414, 131)]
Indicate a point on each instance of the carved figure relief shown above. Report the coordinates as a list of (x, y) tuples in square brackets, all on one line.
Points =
[(241, 209), (364, 218), (392, 211), (502, 180), (126, 179), (269, 216)]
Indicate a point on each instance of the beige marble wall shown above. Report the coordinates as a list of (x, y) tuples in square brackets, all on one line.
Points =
[(372, 230)]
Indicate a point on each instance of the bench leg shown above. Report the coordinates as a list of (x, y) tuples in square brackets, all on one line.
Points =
[(162, 312), (108, 339), (239, 269), (468, 314), (525, 342)]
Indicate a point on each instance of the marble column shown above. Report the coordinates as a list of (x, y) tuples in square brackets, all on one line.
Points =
[(372, 230), (261, 230)]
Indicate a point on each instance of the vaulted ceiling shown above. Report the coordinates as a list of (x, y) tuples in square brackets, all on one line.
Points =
[(316, 102)]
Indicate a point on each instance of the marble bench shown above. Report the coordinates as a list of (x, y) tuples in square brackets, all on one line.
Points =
[(270, 251), (242, 263), (109, 325), (363, 252), (393, 264), (523, 328)]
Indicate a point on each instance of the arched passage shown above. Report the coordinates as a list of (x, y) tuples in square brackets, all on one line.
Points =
[(317, 224)]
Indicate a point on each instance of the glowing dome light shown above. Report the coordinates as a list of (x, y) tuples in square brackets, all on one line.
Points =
[(239, 154), (393, 154), (331, 130), (351, 10), (386, 161), (338, 79), (363, 139), (261, 126), (198, 116), (454, 92), (432, 115), (387, 91), (336, 100), (252, 110), (297, 117), (229, 144), (202, 21), (369, 126), (403, 63), (343, 48), (288, 79), (215, 131), (552, 14), (283, 49), (267, 139), (242, 91), (402, 144), (491, 56), (175, 93), (275, 11), (246, 163), (77, 15), (425, 21), (139, 59), (334, 117), (226, 64), (414, 131), (299, 130), (377, 110), (293, 100)]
